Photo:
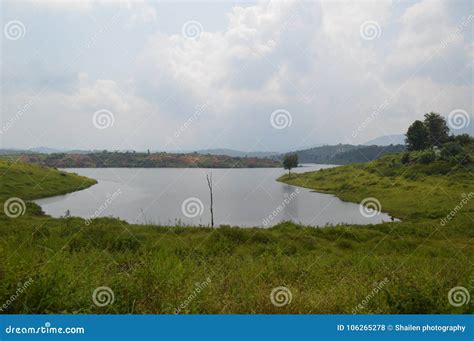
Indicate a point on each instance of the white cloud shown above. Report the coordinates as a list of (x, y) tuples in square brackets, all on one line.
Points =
[(425, 30), (308, 58), (138, 10)]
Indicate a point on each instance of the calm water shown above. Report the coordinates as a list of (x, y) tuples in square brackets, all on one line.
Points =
[(242, 197)]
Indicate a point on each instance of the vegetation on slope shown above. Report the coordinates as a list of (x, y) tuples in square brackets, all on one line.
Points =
[(156, 269), (434, 160), (343, 154), (415, 191), (29, 182), (146, 160)]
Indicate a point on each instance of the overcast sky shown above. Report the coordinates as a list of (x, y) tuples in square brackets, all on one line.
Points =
[(266, 76)]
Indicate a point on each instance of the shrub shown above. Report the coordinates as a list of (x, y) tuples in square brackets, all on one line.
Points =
[(409, 298), (124, 244), (463, 139), (406, 158), (427, 157), (454, 152), (344, 244), (451, 149)]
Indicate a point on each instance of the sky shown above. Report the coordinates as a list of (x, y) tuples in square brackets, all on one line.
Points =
[(252, 76)]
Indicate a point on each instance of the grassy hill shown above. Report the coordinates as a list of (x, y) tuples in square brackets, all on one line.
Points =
[(406, 267), (417, 192), (33, 181), (343, 154)]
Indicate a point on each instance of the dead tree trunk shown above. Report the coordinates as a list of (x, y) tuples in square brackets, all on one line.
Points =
[(209, 183)]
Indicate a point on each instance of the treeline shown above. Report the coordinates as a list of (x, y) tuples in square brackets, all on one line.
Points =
[(146, 160), (343, 154), (429, 140)]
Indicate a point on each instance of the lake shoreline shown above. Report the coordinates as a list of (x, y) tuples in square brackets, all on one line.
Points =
[(243, 197)]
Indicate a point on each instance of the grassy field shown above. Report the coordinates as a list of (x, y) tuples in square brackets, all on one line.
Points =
[(406, 267)]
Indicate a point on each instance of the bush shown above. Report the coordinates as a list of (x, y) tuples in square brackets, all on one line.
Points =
[(451, 149), (426, 157), (406, 158), (454, 152), (124, 244), (463, 139)]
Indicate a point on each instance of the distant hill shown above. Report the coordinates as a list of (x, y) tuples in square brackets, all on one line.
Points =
[(11, 151), (342, 154), (45, 150), (236, 153), (387, 140), (145, 160)]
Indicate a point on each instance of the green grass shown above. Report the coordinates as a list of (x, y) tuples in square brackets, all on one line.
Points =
[(424, 193), (32, 182), (155, 269)]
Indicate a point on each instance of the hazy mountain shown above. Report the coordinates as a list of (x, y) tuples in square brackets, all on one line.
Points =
[(236, 153), (387, 140), (11, 151), (45, 150)]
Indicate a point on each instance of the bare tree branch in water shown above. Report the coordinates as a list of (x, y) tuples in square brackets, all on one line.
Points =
[(209, 183)]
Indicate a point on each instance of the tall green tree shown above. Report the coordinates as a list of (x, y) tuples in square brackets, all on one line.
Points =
[(438, 131), (417, 136), (290, 161)]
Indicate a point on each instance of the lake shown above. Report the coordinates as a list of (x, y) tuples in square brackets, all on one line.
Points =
[(169, 196)]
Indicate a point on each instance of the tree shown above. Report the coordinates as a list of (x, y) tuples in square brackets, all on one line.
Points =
[(417, 136), (406, 158), (463, 139), (209, 184), (426, 157), (438, 131), (290, 161), (454, 152)]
